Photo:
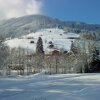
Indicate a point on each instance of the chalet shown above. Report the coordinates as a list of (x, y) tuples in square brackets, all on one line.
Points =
[(51, 46), (16, 66), (65, 52), (30, 37), (50, 42), (60, 34), (77, 38), (55, 53), (32, 42)]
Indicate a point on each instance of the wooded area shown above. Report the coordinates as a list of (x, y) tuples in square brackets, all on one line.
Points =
[(83, 57)]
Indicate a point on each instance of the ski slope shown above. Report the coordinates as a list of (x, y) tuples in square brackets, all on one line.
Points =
[(59, 38), (54, 87)]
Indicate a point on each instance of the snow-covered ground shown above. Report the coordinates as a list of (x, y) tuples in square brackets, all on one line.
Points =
[(59, 38), (54, 87)]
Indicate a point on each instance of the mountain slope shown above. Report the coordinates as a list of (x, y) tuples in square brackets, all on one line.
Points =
[(16, 27), (53, 38)]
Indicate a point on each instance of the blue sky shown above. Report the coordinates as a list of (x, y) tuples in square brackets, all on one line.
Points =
[(73, 10), (69, 10)]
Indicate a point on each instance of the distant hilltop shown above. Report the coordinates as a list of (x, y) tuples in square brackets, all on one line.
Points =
[(17, 27)]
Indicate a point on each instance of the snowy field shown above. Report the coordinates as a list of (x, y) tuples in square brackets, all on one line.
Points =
[(54, 87)]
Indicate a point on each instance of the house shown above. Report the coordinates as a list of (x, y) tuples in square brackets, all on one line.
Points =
[(55, 53), (32, 42)]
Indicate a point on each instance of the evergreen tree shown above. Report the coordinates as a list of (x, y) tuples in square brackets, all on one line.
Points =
[(3, 53), (95, 55), (39, 47), (95, 63), (74, 49)]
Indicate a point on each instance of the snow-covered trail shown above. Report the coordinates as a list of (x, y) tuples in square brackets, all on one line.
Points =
[(54, 87)]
